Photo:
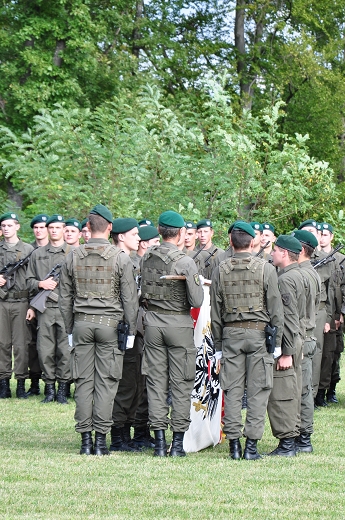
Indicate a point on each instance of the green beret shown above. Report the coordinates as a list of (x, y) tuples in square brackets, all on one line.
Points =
[(267, 225), (171, 219), (103, 212), (205, 222), (122, 225), (42, 218), (9, 216), (145, 222), (148, 232), (289, 243), (190, 224), (305, 237), (232, 225), (326, 227), (308, 223), (74, 222), (256, 226), (55, 218), (243, 226), (84, 222)]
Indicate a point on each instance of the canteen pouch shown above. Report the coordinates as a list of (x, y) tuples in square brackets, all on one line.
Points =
[(122, 335), (271, 335)]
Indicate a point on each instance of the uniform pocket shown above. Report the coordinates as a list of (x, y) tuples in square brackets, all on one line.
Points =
[(309, 348), (189, 365), (267, 379), (284, 385), (116, 364), (144, 365), (223, 376)]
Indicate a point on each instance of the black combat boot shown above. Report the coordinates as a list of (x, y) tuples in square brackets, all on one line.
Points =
[(331, 395), (176, 449), (251, 450), (49, 393), (35, 386), (160, 444), (320, 398), (303, 444), (118, 442), (142, 438), (61, 393), (100, 447), (285, 448), (235, 449), (20, 392), (68, 389), (5, 390), (86, 444)]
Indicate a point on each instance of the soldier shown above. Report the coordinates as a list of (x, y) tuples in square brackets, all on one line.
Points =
[(15, 334), (268, 235), (39, 227), (52, 341), (169, 355), (85, 230), (258, 230), (72, 232), (209, 251), (191, 236), (145, 222), (244, 299), (284, 401), (97, 292)]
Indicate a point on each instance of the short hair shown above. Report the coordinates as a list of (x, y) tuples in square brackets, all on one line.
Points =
[(240, 239), (293, 256), (97, 223), (168, 232), (115, 237), (308, 250)]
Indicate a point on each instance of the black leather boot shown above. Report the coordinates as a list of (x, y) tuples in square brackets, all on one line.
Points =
[(118, 442), (160, 444), (100, 447), (235, 449), (35, 386), (86, 444), (303, 444), (331, 395), (68, 388), (49, 393), (251, 450), (176, 449), (20, 392), (5, 390), (285, 448), (61, 393), (320, 398), (142, 438)]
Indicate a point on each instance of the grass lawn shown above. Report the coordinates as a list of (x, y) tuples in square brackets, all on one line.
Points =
[(43, 476)]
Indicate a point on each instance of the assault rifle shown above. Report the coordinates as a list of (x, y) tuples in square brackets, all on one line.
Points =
[(198, 252), (263, 248), (329, 258), (207, 262), (9, 272), (39, 301)]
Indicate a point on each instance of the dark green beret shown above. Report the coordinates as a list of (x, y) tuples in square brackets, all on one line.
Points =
[(122, 225), (42, 218), (326, 227), (256, 226), (74, 222), (205, 222), (145, 222), (171, 219), (319, 226), (289, 243), (244, 226), (84, 222), (308, 223), (305, 237), (190, 224), (103, 212), (148, 232), (232, 225), (267, 225), (9, 216), (55, 218)]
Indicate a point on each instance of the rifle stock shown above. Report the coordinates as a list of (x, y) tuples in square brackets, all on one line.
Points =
[(38, 302)]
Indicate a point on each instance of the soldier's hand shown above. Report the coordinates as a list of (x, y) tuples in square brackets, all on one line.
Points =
[(337, 324), (2, 280), (327, 328), (30, 315), (47, 285), (284, 362)]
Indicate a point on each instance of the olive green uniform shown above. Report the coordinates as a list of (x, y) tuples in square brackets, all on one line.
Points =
[(13, 308), (284, 401), (244, 298), (35, 371), (169, 352), (97, 291), (207, 260)]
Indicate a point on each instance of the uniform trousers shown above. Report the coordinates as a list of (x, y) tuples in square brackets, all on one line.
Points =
[(14, 332), (307, 401)]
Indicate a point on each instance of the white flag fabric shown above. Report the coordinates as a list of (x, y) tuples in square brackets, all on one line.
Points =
[(206, 403)]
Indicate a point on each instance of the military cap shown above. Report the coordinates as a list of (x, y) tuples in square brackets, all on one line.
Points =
[(232, 225), (9, 216), (55, 218), (256, 226), (308, 223), (73, 222), (122, 225), (148, 232), (205, 222), (267, 225), (171, 219), (145, 222), (38, 219), (289, 243), (243, 226), (190, 224), (305, 237), (84, 222), (326, 227), (103, 212), (319, 226)]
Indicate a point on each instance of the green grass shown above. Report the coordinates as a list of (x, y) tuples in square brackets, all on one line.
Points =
[(43, 476)]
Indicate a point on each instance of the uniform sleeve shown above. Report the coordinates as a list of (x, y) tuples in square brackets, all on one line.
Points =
[(128, 289), (31, 276), (195, 293), (216, 311), (291, 316), (66, 293), (274, 301)]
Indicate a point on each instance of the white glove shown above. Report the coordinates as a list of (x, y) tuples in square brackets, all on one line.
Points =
[(277, 352), (70, 340), (218, 355), (130, 342), (202, 279)]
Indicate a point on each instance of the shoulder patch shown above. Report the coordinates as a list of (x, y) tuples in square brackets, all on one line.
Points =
[(286, 298), (197, 279)]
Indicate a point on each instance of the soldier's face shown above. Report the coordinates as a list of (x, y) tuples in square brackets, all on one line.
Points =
[(278, 256), (190, 237), (205, 235), (9, 228), (257, 239), (55, 231), (153, 242), (86, 234), (131, 239), (72, 235), (326, 238), (266, 236), (40, 231)]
